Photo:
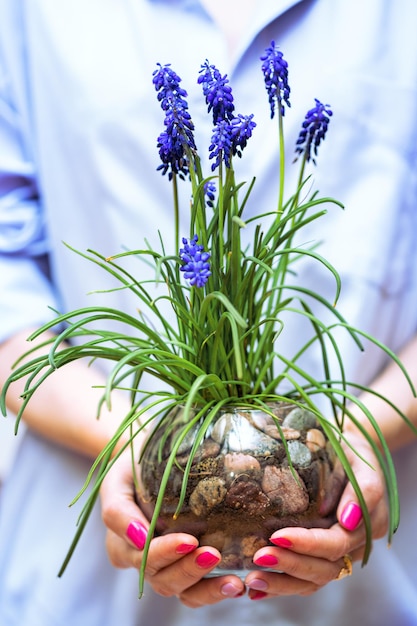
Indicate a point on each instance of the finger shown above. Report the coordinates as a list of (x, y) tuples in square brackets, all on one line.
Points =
[(318, 571), (330, 544), (371, 482), (118, 506), (298, 575), (275, 585), (186, 574), (212, 591), (124, 519), (163, 551), (121, 554)]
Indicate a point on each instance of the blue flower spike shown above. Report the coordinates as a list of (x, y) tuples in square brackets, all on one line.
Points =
[(313, 130), (195, 266), (178, 135), (241, 130), (275, 70), (221, 146), (231, 132), (217, 92)]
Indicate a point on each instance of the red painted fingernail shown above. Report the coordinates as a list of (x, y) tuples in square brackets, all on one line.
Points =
[(257, 595), (207, 559), (185, 548), (351, 516), (282, 542), (266, 560), (137, 534)]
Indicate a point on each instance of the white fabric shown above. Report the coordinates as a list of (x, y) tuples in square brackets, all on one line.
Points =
[(78, 128)]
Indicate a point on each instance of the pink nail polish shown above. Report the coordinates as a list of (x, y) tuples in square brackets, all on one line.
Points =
[(281, 542), (266, 560), (207, 559), (137, 534), (185, 548), (351, 516)]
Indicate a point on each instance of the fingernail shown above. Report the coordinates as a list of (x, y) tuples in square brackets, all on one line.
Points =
[(351, 516), (258, 584), (137, 534), (281, 542), (266, 560), (258, 595), (231, 591), (207, 559), (185, 548)]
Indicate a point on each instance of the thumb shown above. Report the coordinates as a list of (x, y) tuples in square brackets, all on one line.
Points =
[(370, 480), (118, 506)]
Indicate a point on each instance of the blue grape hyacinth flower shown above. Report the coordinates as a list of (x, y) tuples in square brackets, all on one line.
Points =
[(275, 70), (217, 92), (178, 135), (195, 266), (313, 130), (231, 132)]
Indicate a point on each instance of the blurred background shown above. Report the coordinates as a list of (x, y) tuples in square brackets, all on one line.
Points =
[(8, 445)]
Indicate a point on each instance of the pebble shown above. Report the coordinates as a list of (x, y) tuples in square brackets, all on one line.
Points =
[(217, 539), (246, 495), (315, 440), (287, 433), (251, 543), (238, 435), (299, 453), (238, 463), (280, 485), (208, 493), (260, 419), (300, 419)]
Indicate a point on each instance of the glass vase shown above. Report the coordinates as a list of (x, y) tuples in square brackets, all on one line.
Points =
[(251, 474)]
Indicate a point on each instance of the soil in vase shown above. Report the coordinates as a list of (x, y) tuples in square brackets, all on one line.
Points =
[(242, 485)]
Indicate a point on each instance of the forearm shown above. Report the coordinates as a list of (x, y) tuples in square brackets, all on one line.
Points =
[(393, 384), (64, 408)]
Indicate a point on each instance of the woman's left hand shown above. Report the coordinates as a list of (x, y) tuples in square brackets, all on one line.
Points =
[(311, 558)]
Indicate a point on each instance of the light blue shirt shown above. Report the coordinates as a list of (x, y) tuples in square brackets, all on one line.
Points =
[(78, 128)]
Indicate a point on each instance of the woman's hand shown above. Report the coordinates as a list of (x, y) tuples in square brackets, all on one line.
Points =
[(300, 562), (311, 558), (175, 563)]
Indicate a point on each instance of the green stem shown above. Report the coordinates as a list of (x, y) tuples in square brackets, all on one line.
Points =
[(221, 220), (176, 213), (198, 222), (235, 241), (281, 161), (299, 184)]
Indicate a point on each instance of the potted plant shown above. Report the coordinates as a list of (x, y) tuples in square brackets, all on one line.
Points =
[(236, 428)]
